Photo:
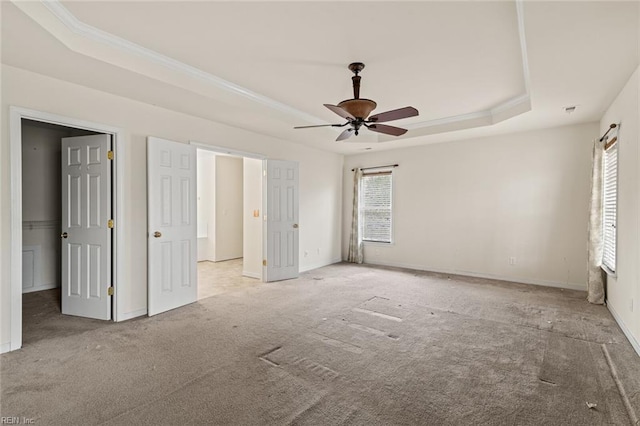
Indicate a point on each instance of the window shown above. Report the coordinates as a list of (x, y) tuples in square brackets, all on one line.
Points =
[(609, 205), (375, 207)]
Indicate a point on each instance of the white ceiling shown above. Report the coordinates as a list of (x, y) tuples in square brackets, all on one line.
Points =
[(267, 66)]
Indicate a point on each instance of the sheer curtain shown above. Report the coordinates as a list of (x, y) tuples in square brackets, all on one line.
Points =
[(595, 279), (356, 254)]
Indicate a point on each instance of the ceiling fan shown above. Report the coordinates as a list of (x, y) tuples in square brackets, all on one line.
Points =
[(356, 111)]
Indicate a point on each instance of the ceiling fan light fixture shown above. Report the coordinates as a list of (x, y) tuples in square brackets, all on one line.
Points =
[(359, 108), (356, 111)]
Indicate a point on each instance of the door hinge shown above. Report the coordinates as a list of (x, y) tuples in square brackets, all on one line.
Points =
[(264, 262), (110, 291), (110, 223), (110, 155)]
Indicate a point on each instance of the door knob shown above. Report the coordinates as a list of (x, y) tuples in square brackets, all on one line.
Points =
[(295, 225), (64, 235), (157, 234)]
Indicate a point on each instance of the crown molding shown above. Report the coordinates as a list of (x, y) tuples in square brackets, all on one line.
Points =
[(90, 41), (523, 46), (85, 32), (510, 108)]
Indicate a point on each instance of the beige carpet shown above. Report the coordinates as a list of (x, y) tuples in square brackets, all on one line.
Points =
[(344, 344)]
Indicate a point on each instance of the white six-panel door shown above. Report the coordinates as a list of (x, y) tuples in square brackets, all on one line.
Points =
[(282, 231), (86, 235), (171, 188)]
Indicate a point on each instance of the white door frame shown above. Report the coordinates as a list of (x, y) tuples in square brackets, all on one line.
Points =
[(229, 151), (16, 114)]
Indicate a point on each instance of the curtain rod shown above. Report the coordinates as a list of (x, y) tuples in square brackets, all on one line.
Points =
[(376, 167), (612, 126)]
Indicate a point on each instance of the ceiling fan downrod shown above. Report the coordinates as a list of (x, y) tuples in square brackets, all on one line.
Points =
[(356, 67)]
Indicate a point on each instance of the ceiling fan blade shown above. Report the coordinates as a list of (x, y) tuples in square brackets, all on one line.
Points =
[(319, 125), (341, 112), (395, 114), (345, 135), (387, 130)]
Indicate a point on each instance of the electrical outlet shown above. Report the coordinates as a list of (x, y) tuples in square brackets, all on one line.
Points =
[(512, 260), (306, 253), (318, 250), (631, 305)]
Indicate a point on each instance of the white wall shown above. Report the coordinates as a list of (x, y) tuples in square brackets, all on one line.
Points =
[(320, 174), (252, 225), (220, 184), (467, 207), (623, 291), (228, 205), (206, 164)]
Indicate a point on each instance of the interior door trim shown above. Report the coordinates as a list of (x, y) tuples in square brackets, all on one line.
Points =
[(16, 114)]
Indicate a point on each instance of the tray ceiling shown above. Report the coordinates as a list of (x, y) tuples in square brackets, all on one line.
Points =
[(266, 66)]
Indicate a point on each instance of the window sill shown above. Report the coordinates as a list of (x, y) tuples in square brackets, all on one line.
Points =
[(609, 272), (378, 243)]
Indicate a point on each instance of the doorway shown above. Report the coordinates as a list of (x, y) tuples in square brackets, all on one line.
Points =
[(35, 219), (172, 222), (229, 224)]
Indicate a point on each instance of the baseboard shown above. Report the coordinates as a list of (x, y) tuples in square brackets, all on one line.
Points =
[(320, 265), (625, 330), (567, 286), (43, 287), (251, 275), (5, 347), (225, 258), (133, 314)]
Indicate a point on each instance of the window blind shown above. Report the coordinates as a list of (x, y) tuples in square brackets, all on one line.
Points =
[(609, 205), (375, 207)]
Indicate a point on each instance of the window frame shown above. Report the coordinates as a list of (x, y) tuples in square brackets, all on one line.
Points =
[(610, 148), (392, 201)]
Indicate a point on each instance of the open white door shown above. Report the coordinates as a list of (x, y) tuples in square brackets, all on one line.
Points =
[(171, 189), (282, 220), (86, 226)]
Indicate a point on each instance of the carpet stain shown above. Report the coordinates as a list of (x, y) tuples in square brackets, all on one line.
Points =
[(265, 356), (383, 307), (377, 314), (320, 370), (299, 363), (337, 343), (268, 361), (332, 410), (376, 297), (369, 330)]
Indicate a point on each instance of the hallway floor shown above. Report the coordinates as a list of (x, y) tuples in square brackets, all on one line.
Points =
[(216, 278)]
